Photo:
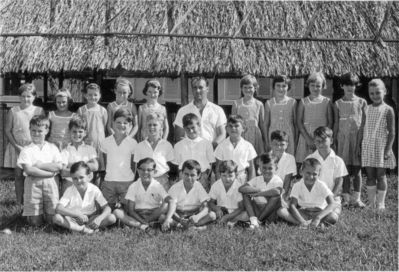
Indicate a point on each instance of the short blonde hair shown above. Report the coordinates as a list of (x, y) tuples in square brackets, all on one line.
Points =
[(377, 82), (313, 77)]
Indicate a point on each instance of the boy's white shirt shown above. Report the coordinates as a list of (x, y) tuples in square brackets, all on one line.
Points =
[(146, 199), (191, 200), (229, 199), (73, 200), (316, 198), (331, 168), (241, 154), (162, 154), (118, 166), (286, 165), (84, 152), (32, 153), (259, 183), (198, 149)]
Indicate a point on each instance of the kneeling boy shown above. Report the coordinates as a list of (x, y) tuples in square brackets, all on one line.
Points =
[(312, 201), (147, 200), (262, 194), (191, 197), (77, 208)]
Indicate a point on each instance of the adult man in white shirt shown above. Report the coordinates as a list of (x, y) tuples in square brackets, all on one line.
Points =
[(213, 118)]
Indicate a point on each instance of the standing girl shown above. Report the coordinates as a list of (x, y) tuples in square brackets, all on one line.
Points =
[(123, 90), (60, 118), (96, 117), (253, 112), (17, 132), (349, 111), (280, 112), (377, 140), (313, 111), (152, 90)]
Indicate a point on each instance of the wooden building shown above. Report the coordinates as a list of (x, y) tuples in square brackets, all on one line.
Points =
[(58, 43)]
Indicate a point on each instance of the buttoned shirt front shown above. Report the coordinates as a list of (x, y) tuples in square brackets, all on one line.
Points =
[(71, 154), (212, 117), (286, 165), (229, 199), (259, 183), (146, 199), (315, 198), (188, 201), (198, 149)]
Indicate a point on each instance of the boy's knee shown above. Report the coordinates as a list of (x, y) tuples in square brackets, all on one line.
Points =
[(57, 219), (212, 215), (118, 213), (111, 219), (331, 218), (282, 212)]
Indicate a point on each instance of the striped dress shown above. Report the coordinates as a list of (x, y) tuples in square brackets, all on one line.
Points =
[(375, 138)]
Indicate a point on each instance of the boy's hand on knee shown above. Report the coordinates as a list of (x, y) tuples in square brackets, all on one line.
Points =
[(315, 222), (219, 213), (81, 219), (95, 224), (166, 224), (305, 224)]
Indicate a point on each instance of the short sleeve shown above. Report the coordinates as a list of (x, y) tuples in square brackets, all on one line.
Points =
[(340, 169), (177, 155), (56, 154), (24, 158), (178, 120), (66, 197), (202, 195), (222, 120), (295, 190), (130, 195), (291, 166), (161, 191), (251, 152), (138, 154), (104, 146), (253, 182), (210, 155), (65, 156), (219, 152), (100, 199), (170, 154), (213, 192), (92, 153), (133, 146)]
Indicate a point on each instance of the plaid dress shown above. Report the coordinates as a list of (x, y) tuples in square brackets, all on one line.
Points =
[(375, 137)]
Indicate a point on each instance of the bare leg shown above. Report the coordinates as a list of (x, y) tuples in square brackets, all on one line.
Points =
[(126, 219), (331, 218), (19, 185), (371, 185), (210, 217), (155, 215), (381, 188), (285, 214), (273, 203), (248, 206), (67, 222)]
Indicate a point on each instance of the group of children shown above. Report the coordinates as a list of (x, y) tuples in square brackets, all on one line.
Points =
[(235, 182)]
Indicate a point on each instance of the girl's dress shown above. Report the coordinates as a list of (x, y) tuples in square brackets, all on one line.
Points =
[(59, 134), (314, 116), (282, 118), (113, 107), (95, 129), (146, 110), (350, 120), (20, 131), (250, 114), (375, 138)]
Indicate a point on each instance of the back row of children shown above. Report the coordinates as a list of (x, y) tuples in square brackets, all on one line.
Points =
[(376, 140)]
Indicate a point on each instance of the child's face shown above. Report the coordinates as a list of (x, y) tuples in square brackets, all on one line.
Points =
[(200, 90), (268, 170), (192, 130), (349, 90), (280, 89), (122, 93), (146, 172), (234, 130), (38, 133), (376, 94), (153, 93), (122, 125), (323, 144), (26, 99), (311, 173), (62, 103), (278, 147), (92, 96), (77, 134), (154, 128), (81, 179), (315, 87), (248, 90), (190, 176), (228, 178)]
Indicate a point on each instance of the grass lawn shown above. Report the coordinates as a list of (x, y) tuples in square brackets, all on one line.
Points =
[(360, 241)]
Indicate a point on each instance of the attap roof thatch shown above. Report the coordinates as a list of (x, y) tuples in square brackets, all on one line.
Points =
[(357, 21)]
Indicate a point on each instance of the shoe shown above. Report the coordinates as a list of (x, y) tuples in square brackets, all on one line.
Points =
[(254, 225), (380, 209), (87, 230), (144, 227), (198, 228), (358, 204)]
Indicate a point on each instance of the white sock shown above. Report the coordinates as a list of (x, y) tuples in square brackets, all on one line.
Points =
[(371, 192), (346, 197), (356, 196), (381, 198), (199, 215), (253, 220)]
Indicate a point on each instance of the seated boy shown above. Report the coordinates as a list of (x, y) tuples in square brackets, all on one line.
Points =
[(77, 208), (41, 161), (118, 150), (286, 166), (77, 150), (261, 194), (237, 149), (311, 201), (333, 168), (191, 197), (156, 148), (147, 200), (194, 147), (226, 201)]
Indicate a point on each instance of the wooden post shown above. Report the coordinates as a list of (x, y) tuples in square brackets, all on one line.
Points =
[(215, 90), (184, 88), (45, 88)]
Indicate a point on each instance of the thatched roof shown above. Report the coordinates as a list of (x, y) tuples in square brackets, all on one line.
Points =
[(358, 22)]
